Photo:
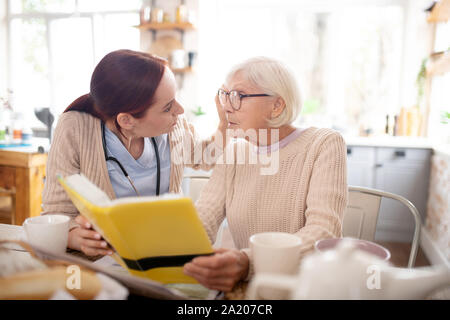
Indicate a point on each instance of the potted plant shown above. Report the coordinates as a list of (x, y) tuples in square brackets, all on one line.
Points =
[(198, 111), (420, 81), (445, 117)]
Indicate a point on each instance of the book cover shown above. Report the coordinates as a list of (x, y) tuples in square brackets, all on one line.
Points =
[(153, 237)]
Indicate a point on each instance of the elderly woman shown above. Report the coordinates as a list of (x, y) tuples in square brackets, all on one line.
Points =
[(307, 193)]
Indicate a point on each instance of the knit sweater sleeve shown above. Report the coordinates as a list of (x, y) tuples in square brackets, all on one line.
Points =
[(211, 203), (63, 159), (327, 196), (203, 152)]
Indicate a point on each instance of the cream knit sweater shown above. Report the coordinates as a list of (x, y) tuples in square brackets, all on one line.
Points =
[(306, 197)]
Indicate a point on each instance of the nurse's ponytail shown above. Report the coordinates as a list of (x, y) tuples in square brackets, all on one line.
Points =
[(84, 103)]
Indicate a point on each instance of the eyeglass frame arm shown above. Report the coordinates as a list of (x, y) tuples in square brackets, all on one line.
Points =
[(241, 95)]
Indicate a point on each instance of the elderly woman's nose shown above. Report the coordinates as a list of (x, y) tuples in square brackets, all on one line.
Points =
[(227, 106)]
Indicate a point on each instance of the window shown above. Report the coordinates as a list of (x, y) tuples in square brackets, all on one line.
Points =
[(439, 118), (55, 44), (346, 57)]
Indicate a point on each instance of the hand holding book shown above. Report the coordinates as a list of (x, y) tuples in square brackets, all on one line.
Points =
[(86, 240)]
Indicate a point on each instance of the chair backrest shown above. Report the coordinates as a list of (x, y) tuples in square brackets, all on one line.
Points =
[(194, 186), (361, 215)]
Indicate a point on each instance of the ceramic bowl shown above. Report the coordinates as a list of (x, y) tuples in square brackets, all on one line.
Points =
[(364, 245)]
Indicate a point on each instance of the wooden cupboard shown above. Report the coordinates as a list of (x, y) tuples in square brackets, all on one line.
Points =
[(22, 175)]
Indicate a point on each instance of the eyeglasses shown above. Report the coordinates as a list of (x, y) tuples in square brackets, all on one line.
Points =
[(236, 97)]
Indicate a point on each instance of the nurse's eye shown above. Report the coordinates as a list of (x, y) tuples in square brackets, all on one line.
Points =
[(168, 108)]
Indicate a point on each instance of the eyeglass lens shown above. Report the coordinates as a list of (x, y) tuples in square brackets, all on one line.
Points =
[(235, 99)]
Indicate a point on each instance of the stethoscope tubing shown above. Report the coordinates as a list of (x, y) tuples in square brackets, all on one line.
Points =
[(125, 173)]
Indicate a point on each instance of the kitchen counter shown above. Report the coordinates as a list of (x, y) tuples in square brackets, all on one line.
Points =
[(389, 141), (38, 145), (442, 150), (398, 142)]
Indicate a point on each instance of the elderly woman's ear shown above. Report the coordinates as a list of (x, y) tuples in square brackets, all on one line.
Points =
[(278, 107)]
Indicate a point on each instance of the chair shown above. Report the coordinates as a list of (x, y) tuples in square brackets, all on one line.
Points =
[(361, 214), (193, 185)]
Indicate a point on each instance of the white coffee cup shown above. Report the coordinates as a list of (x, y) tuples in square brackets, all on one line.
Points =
[(275, 252), (49, 232)]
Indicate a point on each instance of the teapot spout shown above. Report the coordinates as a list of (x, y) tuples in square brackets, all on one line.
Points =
[(414, 284)]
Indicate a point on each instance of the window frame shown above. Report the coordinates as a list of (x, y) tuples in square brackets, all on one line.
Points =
[(321, 7), (48, 17)]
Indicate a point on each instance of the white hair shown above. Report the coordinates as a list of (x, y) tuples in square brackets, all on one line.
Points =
[(275, 79)]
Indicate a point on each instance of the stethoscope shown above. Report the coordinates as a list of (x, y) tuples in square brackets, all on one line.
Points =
[(125, 173)]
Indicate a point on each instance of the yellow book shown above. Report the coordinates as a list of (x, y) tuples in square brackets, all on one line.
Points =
[(153, 237)]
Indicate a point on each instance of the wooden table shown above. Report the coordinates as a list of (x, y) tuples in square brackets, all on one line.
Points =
[(24, 173)]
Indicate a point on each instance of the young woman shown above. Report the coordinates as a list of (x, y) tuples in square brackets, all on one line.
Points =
[(127, 136), (305, 194)]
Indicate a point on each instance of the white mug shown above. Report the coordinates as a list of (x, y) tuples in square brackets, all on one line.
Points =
[(275, 252), (178, 59), (49, 232)]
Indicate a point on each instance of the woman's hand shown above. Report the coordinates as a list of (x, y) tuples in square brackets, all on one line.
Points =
[(88, 241), (220, 271), (222, 115), (223, 125)]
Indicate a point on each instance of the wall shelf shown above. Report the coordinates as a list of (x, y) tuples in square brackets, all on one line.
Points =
[(183, 70), (164, 44), (183, 26), (440, 12), (439, 63)]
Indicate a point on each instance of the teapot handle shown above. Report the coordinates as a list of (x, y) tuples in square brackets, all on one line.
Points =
[(273, 281)]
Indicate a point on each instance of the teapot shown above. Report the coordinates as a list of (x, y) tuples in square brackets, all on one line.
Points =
[(350, 273)]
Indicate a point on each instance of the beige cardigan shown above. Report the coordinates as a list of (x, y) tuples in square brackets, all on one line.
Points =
[(77, 148), (306, 196)]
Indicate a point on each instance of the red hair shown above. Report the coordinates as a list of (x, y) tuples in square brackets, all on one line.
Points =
[(123, 81)]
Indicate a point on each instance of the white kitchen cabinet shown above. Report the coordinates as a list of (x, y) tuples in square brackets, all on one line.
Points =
[(360, 164), (403, 171)]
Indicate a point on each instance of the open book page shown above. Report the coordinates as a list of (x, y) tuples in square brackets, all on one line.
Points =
[(110, 263), (96, 196), (193, 291), (88, 190), (166, 196), (135, 285)]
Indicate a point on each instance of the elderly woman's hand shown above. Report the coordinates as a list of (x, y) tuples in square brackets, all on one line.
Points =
[(222, 114), (220, 271)]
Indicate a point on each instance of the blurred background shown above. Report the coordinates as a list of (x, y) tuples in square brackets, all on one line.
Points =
[(378, 71), (360, 64)]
